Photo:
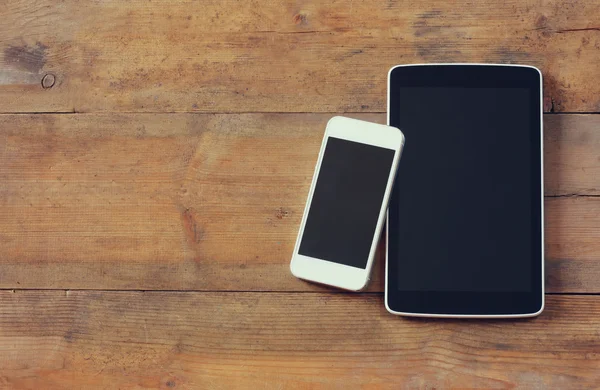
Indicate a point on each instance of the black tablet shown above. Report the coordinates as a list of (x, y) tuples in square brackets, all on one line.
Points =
[(465, 225)]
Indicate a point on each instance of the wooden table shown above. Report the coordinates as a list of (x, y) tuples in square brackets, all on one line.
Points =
[(154, 163)]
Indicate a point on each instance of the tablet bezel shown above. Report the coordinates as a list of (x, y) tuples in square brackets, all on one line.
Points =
[(476, 304)]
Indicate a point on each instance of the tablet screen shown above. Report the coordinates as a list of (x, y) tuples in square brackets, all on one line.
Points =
[(465, 212), (464, 208)]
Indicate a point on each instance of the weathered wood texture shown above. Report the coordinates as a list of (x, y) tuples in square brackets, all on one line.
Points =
[(213, 202), (58, 340), (278, 56)]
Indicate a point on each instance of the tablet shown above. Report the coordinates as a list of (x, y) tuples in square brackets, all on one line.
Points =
[(465, 225)]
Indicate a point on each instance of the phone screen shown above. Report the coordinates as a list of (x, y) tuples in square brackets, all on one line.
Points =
[(346, 202)]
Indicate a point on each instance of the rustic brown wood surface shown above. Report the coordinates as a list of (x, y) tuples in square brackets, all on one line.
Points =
[(109, 181), (189, 340), (213, 202), (274, 55)]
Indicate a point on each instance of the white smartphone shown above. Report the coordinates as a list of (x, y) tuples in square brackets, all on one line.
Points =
[(347, 203)]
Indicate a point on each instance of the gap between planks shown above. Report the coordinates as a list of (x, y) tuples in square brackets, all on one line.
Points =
[(67, 291), (238, 113)]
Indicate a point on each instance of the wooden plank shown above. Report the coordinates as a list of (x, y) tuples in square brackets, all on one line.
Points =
[(213, 202), (75, 339), (572, 154), (278, 56)]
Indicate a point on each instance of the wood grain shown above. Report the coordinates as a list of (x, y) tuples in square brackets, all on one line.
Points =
[(278, 56), (572, 155), (76, 339), (213, 202)]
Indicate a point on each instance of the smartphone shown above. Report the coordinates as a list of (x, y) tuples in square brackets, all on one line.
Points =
[(347, 203)]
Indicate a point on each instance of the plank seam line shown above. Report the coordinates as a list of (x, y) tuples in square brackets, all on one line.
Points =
[(238, 113), (66, 291), (573, 195)]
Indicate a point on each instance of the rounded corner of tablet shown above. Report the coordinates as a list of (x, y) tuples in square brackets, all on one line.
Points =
[(540, 310), (395, 68), (535, 72)]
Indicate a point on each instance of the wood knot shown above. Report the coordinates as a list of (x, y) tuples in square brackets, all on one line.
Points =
[(301, 18), (541, 21), (191, 228), (48, 81), (281, 213)]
